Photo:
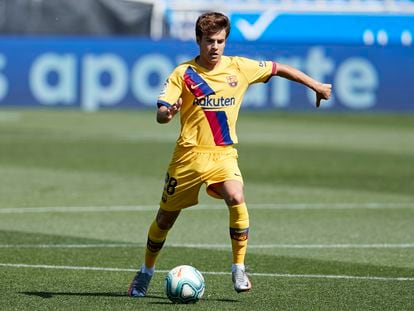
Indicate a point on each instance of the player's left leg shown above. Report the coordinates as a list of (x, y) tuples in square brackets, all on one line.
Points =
[(232, 193)]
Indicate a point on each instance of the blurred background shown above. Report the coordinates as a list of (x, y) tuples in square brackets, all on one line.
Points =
[(102, 54)]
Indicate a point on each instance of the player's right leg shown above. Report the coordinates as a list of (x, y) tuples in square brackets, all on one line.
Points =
[(182, 185), (157, 235)]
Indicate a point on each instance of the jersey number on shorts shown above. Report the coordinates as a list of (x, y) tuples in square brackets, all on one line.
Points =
[(170, 184)]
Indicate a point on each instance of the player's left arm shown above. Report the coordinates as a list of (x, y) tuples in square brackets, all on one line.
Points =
[(322, 90)]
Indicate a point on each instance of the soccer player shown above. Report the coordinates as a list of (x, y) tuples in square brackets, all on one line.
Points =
[(207, 92)]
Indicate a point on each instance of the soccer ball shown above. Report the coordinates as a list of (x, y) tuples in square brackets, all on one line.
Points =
[(184, 284)]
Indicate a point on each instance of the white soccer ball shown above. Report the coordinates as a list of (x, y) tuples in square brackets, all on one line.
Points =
[(184, 284)]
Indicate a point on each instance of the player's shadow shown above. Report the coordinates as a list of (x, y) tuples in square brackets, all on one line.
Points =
[(48, 295)]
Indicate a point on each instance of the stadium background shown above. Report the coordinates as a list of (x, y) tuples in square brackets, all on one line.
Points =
[(329, 191), (99, 54)]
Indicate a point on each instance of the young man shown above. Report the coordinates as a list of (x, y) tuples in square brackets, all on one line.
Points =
[(208, 91)]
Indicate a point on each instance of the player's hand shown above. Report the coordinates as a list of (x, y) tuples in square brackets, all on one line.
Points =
[(323, 92), (165, 114), (175, 108)]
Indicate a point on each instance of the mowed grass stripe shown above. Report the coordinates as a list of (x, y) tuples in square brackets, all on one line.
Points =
[(221, 246), (285, 275), (264, 206)]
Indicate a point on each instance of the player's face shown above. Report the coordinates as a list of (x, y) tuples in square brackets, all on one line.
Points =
[(211, 49)]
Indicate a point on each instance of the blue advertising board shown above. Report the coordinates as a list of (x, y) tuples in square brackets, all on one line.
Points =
[(321, 28), (267, 23), (99, 73)]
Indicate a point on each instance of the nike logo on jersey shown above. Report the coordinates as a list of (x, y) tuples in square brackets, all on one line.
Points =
[(196, 86)]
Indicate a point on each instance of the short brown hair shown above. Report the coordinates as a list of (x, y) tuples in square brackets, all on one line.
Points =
[(211, 23)]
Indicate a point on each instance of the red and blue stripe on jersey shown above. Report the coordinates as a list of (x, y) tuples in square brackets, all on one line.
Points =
[(196, 84), (219, 127), (216, 119)]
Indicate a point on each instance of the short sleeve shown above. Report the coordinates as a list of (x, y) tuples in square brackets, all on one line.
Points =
[(256, 71), (171, 90)]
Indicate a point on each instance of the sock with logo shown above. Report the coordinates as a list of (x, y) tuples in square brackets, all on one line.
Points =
[(239, 231), (155, 242)]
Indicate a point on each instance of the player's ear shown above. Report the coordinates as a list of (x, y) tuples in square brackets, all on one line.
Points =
[(198, 40)]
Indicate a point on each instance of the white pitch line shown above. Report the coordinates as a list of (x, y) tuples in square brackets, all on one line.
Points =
[(201, 207), (276, 275), (219, 246)]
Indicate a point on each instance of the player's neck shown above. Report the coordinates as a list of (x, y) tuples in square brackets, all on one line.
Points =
[(207, 65)]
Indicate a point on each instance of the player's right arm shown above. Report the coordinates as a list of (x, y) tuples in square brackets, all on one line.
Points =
[(165, 114), (170, 99)]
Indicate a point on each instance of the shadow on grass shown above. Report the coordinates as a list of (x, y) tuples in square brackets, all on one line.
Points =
[(165, 300), (46, 295)]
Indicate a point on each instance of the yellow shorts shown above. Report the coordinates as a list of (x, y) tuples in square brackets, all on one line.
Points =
[(192, 167)]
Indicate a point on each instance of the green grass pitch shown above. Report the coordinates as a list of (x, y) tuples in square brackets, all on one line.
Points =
[(330, 197)]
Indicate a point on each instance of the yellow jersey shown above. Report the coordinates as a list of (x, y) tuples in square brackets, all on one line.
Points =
[(212, 98)]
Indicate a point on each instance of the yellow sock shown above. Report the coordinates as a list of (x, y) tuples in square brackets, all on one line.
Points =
[(155, 242), (239, 231)]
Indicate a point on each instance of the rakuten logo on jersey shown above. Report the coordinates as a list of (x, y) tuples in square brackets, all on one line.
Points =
[(214, 102)]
